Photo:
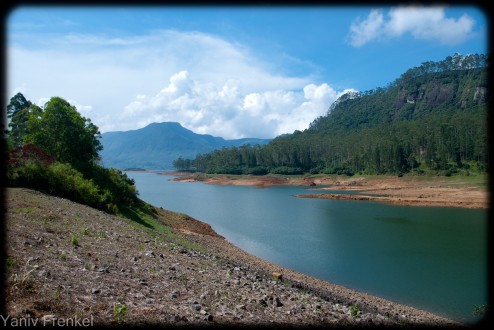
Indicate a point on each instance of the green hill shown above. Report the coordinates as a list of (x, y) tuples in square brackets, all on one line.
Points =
[(432, 119)]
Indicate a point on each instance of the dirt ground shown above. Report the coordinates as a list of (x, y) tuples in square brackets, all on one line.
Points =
[(410, 191), (68, 262)]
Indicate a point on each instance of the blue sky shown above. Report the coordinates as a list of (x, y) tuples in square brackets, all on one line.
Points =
[(227, 71)]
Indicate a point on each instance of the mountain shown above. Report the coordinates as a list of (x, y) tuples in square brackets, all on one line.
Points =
[(432, 119), (157, 145)]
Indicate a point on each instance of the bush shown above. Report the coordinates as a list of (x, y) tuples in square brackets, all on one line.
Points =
[(258, 170), (65, 181), (285, 170), (99, 187)]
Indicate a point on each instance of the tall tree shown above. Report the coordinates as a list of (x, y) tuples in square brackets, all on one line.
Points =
[(62, 132)]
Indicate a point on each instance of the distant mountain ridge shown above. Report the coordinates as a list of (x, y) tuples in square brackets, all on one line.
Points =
[(157, 145)]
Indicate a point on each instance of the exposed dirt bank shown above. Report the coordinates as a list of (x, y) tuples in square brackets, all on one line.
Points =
[(67, 261), (411, 191)]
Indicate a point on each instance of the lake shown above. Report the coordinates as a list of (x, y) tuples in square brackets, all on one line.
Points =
[(432, 258)]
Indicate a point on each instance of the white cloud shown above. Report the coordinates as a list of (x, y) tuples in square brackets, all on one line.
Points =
[(204, 82), (425, 23), (222, 110)]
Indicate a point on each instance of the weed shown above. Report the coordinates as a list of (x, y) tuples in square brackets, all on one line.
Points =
[(74, 240), (354, 309), (11, 262), (26, 209), (62, 256), (24, 283), (102, 234), (85, 231), (89, 266), (120, 311)]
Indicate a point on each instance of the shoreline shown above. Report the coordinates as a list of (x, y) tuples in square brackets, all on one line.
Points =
[(404, 191), (142, 261), (324, 289)]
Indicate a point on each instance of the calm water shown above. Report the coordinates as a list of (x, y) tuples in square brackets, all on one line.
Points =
[(431, 258)]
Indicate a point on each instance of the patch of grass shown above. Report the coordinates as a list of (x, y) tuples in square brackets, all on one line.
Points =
[(10, 262), (85, 231), (74, 240), (62, 256), (89, 266), (24, 282), (102, 234), (120, 311), (354, 309)]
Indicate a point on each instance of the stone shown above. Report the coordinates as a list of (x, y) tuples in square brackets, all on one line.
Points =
[(44, 274), (196, 306), (277, 302), (95, 291), (149, 254), (277, 276)]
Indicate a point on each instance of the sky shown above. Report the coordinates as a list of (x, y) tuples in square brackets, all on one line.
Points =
[(234, 72)]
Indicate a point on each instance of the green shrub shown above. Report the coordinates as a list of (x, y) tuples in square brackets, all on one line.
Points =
[(285, 170), (258, 170), (67, 182)]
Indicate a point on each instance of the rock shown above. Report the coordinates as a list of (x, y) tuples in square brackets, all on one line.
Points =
[(95, 291), (196, 306), (277, 302), (203, 312), (44, 274), (240, 306), (263, 303), (102, 270), (209, 318), (277, 276), (171, 268), (174, 295), (149, 254)]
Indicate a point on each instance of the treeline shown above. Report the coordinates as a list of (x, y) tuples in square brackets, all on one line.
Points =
[(55, 150), (433, 119)]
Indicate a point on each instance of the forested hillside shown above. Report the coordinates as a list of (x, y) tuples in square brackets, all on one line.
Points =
[(432, 119)]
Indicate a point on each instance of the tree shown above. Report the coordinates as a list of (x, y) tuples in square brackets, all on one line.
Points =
[(17, 112), (62, 132), (17, 102)]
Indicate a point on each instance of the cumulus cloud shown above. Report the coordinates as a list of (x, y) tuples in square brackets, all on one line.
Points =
[(425, 23), (206, 83), (223, 110)]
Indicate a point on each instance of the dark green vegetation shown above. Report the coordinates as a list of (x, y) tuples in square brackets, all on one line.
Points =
[(155, 146), (55, 150), (431, 120)]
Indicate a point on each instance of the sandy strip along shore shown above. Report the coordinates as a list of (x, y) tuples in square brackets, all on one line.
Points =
[(409, 191)]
